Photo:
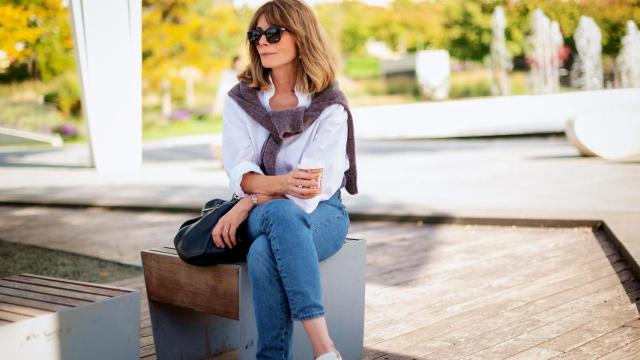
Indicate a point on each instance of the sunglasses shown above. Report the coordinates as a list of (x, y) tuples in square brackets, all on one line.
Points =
[(273, 34)]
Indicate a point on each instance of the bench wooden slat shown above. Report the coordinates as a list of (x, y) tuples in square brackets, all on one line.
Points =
[(164, 251), (53, 291), (146, 340), (169, 280), (23, 310), (33, 303), (147, 350), (13, 317), (146, 331), (60, 300), (121, 290), (65, 285), (171, 249)]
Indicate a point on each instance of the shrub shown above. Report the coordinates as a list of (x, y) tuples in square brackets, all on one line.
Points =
[(66, 98), (66, 131)]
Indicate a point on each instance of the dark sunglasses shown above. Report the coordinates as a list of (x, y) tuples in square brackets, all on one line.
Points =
[(273, 34)]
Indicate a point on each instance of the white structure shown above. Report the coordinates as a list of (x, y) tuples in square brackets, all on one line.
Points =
[(499, 115), (108, 43), (380, 50), (545, 43), (14, 136), (500, 60), (587, 71), (628, 61), (570, 134), (166, 105), (190, 74), (228, 79), (613, 134), (430, 67), (432, 72)]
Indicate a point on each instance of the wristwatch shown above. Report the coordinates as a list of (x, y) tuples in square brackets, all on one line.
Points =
[(254, 199)]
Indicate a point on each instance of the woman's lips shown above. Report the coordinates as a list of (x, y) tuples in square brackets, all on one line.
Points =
[(265, 54)]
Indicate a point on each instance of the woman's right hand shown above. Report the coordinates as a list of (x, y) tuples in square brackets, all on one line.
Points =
[(301, 184)]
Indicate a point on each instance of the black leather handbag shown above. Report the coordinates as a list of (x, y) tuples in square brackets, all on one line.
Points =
[(194, 242)]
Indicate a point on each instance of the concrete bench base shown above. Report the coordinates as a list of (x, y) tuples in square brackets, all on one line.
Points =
[(183, 330), (48, 318)]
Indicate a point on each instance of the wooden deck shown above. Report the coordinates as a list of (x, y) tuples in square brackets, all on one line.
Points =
[(488, 292)]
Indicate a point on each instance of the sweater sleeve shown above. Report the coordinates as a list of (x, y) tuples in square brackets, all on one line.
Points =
[(239, 155)]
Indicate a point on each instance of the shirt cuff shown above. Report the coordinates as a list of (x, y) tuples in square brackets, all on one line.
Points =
[(238, 171)]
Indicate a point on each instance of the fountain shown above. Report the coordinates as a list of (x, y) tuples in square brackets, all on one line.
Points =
[(556, 41), (500, 60), (545, 44), (614, 133), (586, 72), (628, 61)]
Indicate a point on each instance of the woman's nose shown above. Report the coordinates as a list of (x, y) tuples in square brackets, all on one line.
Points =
[(263, 42)]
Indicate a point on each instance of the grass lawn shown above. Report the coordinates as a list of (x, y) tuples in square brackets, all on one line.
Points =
[(42, 261)]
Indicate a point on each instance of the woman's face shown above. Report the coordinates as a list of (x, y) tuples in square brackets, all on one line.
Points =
[(280, 53)]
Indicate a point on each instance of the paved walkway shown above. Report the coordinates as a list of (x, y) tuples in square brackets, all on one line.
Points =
[(440, 175)]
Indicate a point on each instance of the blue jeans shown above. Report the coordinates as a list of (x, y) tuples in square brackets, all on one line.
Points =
[(287, 245)]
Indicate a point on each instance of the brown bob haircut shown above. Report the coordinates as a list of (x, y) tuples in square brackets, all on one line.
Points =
[(317, 60)]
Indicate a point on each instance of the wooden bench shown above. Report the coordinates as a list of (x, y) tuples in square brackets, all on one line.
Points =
[(43, 317), (199, 312)]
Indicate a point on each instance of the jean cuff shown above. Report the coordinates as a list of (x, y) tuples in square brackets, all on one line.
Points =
[(308, 317)]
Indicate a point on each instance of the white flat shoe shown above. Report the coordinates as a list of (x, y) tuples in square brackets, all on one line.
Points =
[(330, 356)]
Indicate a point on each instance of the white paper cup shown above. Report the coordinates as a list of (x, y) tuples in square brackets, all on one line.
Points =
[(313, 166)]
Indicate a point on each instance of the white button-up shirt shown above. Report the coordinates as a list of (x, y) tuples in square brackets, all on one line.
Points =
[(325, 140)]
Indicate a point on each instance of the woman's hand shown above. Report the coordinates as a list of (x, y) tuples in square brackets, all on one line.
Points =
[(301, 184), (224, 233)]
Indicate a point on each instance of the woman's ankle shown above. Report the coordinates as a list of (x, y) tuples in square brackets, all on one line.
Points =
[(323, 349)]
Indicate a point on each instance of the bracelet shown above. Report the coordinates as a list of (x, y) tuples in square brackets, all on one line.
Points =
[(254, 199)]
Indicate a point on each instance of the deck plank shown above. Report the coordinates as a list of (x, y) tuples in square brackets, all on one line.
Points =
[(78, 295), (454, 291), (55, 284), (23, 310)]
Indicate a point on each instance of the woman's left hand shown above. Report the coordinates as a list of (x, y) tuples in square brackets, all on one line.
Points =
[(225, 230)]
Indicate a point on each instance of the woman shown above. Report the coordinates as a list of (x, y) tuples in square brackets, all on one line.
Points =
[(286, 107)]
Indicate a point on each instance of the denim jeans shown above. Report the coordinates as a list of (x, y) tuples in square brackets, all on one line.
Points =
[(287, 245)]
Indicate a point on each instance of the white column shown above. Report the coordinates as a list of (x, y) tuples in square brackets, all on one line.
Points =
[(108, 43)]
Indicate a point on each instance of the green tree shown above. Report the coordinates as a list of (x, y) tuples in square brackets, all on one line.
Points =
[(468, 28), (36, 35), (179, 33), (417, 25)]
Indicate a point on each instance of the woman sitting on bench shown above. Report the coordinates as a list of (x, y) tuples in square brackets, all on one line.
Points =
[(287, 111)]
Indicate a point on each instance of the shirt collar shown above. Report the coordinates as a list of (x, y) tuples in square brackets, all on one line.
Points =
[(304, 98)]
